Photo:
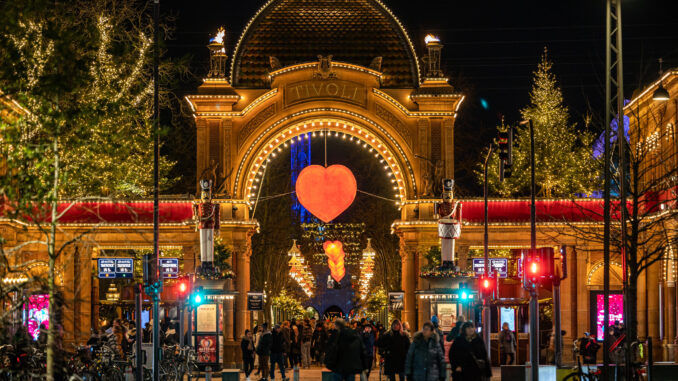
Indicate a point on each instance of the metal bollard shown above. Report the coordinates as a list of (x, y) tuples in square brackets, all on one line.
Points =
[(295, 373), (129, 376), (208, 373)]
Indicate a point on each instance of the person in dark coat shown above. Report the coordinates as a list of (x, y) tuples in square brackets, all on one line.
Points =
[(425, 357), (468, 356), (264, 351), (368, 337), (318, 343), (278, 346), (345, 353), (456, 330), (394, 345), (247, 349)]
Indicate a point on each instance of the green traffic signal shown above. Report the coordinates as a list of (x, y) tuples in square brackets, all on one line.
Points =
[(197, 296)]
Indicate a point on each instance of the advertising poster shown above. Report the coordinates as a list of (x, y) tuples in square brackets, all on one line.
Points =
[(616, 312), (207, 348), (206, 320), (447, 316), (36, 314), (508, 315)]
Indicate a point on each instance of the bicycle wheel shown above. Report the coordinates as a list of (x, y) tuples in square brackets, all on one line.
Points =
[(576, 377)]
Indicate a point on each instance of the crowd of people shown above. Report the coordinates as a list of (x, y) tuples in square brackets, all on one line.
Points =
[(350, 349)]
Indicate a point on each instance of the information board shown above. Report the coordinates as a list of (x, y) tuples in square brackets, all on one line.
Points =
[(255, 301), (169, 268), (497, 265), (395, 301), (115, 267)]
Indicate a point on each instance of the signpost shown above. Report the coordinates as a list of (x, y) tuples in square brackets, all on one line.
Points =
[(497, 265), (115, 267), (169, 268)]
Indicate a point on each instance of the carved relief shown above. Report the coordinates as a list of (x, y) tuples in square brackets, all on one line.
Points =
[(314, 90), (324, 70), (395, 123), (254, 123)]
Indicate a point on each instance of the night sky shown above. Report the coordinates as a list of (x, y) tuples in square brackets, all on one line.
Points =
[(491, 47)]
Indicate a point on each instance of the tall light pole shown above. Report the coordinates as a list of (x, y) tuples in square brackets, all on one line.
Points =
[(534, 300), (614, 78), (486, 301), (152, 279)]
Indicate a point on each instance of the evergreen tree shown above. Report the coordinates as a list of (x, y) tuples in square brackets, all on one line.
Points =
[(564, 162)]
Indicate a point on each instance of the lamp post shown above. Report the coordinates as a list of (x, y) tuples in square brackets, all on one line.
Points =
[(534, 301), (486, 252)]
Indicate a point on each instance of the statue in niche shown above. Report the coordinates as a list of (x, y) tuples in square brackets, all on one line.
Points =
[(433, 175)]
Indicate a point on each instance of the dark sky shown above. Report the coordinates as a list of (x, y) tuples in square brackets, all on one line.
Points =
[(491, 46), (494, 45)]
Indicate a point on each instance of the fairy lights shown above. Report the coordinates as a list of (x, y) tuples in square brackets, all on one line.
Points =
[(333, 128), (366, 270), (299, 270)]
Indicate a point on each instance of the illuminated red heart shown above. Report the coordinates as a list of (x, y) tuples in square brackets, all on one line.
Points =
[(326, 192)]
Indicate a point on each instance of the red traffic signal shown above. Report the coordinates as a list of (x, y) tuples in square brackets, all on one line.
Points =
[(486, 286), (538, 266), (183, 287)]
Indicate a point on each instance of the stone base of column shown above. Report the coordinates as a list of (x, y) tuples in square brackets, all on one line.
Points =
[(232, 355)]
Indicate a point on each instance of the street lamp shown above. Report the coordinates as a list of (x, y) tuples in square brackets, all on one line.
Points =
[(661, 94)]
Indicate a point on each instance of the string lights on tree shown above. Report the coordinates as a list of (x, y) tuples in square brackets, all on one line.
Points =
[(299, 270), (366, 270)]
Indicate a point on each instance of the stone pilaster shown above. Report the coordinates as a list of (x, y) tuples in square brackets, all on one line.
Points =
[(407, 256)]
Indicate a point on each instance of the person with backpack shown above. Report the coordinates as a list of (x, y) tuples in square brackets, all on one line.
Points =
[(345, 353), (424, 360)]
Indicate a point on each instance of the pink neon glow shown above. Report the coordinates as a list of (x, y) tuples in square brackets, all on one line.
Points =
[(37, 313), (616, 312)]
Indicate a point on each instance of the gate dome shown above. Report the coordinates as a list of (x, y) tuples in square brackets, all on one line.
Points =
[(297, 31)]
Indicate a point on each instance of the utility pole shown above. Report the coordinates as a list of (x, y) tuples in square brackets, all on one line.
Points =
[(614, 98), (152, 279), (486, 301), (534, 300)]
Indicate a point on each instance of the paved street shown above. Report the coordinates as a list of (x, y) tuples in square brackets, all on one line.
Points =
[(315, 373)]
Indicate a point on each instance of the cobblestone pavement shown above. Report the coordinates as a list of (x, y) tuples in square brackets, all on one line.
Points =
[(315, 374)]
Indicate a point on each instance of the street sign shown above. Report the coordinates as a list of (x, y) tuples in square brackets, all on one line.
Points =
[(255, 301), (115, 267), (395, 301), (169, 268), (497, 265)]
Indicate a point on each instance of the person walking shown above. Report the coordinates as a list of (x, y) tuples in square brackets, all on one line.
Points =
[(369, 339), (507, 343), (306, 338), (345, 353), (393, 346), (247, 349), (319, 342), (468, 356), (424, 360), (456, 330), (264, 351), (278, 352)]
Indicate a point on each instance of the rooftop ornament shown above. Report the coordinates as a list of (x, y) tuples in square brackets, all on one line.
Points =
[(432, 60), (218, 55)]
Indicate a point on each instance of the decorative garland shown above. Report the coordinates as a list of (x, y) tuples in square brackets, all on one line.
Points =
[(444, 272)]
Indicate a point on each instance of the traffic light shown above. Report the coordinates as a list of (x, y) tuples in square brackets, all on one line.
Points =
[(463, 291), (505, 141), (486, 286), (183, 288), (197, 297), (538, 266)]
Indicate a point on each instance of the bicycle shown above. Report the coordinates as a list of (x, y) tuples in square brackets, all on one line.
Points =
[(591, 374)]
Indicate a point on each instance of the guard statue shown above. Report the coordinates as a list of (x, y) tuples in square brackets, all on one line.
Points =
[(207, 220), (449, 223)]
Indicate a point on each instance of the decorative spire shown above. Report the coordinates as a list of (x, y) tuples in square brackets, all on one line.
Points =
[(434, 48), (218, 55)]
